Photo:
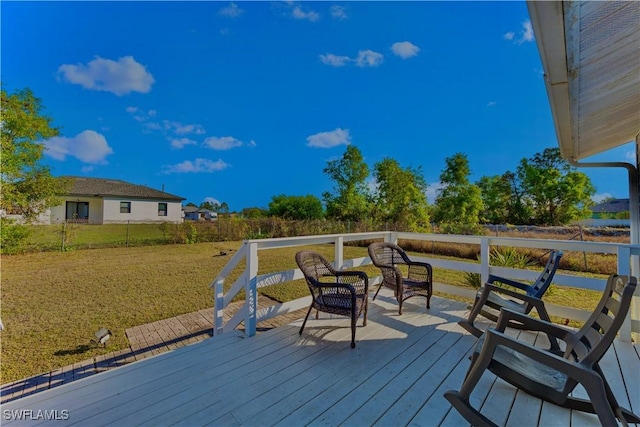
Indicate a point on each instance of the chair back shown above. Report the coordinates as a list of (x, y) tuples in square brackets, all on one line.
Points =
[(544, 280), (313, 266), (385, 254), (594, 338)]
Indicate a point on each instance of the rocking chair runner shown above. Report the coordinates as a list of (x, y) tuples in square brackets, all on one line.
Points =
[(338, 292), (546, 375), (490, 296), (417, 281)]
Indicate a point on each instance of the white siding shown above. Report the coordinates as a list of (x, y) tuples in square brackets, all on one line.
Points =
[(141, 211), (58, 213)]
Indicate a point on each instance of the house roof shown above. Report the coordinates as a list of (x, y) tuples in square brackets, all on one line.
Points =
[(589, 52), (612, 206), (100, 187)]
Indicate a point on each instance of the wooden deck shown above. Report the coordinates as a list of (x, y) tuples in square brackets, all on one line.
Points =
[(395, 376)]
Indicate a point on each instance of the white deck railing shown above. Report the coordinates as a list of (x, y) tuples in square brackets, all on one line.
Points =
[(250, 281)]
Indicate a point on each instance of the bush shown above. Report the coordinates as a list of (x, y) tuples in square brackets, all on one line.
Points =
[(180, 233), (501, 257), (13, 236)]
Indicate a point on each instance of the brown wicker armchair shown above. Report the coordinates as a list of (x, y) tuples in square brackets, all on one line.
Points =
[(417, 281), (337, 292)]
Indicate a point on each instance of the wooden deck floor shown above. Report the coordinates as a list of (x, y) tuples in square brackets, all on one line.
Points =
[(396, 376)]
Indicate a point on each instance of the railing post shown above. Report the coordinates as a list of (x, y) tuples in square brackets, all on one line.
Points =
[(485, 258), (218, 308), (624, 264), (251, 293), (392, 237), (339, 252)]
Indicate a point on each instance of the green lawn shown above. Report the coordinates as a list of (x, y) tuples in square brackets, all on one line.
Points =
[(53, 302), (93, 236)]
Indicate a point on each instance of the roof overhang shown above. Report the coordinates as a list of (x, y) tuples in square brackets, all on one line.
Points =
[(590, 52)]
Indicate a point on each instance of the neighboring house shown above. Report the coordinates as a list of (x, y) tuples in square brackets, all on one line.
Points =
[(195, 214), (110, 201), (613, 207)]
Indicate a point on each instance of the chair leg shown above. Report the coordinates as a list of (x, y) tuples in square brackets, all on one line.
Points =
[(366, 308), (354, 319), (305, 320), (598, 396), (376, 294), (468, 323)]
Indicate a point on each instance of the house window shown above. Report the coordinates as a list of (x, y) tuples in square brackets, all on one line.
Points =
[(162, 209), (125, 207), (77, 211)]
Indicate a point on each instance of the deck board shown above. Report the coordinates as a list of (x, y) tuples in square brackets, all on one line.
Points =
[(396, 375)]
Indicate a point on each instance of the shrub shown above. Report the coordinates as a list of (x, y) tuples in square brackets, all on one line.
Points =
[(13, 236), (501, 257)]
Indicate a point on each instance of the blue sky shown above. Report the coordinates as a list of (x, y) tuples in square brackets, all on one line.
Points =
[(239, 101)]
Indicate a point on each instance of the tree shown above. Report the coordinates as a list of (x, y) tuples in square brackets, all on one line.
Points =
[(27, 187), (296, 207), (558, 193), (254, 212), (503, 200), (459, 203), (221, 208), (350, 200), (401, 195)]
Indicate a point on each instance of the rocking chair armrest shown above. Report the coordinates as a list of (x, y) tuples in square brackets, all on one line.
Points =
[(536, 302), (532, 324), (506, 281), (496, 338)]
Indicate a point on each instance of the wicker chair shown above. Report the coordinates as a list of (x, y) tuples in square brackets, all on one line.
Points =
[(337, 292), (491, 296), (417, 281), (549, 376)]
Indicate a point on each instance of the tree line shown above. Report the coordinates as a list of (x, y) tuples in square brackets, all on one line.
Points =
[(543, 190)]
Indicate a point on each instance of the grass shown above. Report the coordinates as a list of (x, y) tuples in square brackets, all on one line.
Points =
[(53, 302), (49, 237)]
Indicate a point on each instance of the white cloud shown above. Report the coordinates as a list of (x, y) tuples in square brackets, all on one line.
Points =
[(222, 143), (88, 146), (329, 139), (524, 35), (211, 200), (87, 169), (491, 104), (369, 58), (334, 60), (139, 115), (405, 49), (630, 156), (338, 12), (232, 11), (433, 190), (179, 143), (183, 129), (311, 15), (118, 77), (598, 198), (372, 185), (196, 166)]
